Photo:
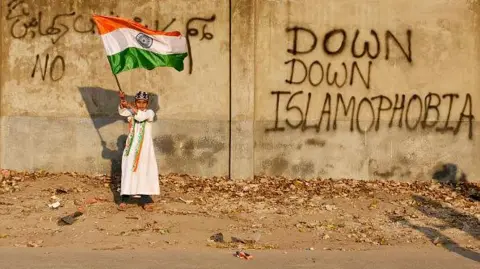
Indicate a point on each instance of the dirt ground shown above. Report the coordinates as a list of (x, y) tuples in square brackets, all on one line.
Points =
[(262, 213)]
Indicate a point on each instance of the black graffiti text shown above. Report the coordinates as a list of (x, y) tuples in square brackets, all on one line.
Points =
[(191, 32), (55, 69), (356, 50), (412, 112), (332, 74)]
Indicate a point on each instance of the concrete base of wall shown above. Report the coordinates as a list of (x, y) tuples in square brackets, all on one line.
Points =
[(202, 148)]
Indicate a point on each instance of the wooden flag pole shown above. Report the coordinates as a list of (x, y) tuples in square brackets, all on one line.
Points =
[(118, 83)]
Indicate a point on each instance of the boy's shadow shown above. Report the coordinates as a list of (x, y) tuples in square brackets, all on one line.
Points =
[(115, 157)]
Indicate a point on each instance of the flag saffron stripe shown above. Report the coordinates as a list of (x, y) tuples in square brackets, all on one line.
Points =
[(107, 24), (131, 58)]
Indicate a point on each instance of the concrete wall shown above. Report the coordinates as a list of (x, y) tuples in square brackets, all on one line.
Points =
[(286, 72)]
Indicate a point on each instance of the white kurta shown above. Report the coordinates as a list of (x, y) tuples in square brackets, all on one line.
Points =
[(139, 176)]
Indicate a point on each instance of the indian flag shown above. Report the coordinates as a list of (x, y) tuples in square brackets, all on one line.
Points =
[(130, 45)]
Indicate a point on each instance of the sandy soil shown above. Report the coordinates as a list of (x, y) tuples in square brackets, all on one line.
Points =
[(262, 213)]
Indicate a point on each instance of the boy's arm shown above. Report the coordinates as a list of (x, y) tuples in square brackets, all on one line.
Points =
[(123, 106), (123, 111), (144, 115)]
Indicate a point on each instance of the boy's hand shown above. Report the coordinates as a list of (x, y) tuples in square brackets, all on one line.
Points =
[(121, 95), (124, 104)]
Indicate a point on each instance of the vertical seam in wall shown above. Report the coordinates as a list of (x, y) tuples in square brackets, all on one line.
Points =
[(2, 131), (254, 83), (230, 89)]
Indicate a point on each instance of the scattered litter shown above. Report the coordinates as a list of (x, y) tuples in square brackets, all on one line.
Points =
[(218, 237), (238, 240), (437, 241), (34, 244), (70, 219), (243, 255), (330, 207), (94, 200), (185, 201), (55, 205), (243, 241), (91, 201), (61, 191)]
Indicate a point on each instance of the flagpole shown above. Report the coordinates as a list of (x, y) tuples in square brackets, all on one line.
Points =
[(118, 83)]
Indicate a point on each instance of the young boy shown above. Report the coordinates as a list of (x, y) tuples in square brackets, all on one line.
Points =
[(139, 165)]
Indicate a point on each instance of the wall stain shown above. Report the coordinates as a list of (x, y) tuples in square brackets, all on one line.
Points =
[(387, 174), (165, 144), (275, 166), (315, 142), (183, 153), (304, 168)]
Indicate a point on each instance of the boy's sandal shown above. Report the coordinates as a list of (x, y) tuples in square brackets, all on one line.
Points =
[(122, 207), (148, 207)]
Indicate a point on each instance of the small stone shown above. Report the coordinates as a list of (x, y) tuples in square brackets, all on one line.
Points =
[(326, 236), (330, 207), (34, 244)]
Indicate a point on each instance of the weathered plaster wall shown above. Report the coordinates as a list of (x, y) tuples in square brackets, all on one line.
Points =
[(308, 56), (57, 80), (278, 67)]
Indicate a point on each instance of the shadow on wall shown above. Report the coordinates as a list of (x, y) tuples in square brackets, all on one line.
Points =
[(451, 176), (102, 106)]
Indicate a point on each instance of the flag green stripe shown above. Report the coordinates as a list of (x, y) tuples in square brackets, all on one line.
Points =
[(131, 58)]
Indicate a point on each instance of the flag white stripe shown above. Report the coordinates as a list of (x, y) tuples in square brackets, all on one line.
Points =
[(122, 38)]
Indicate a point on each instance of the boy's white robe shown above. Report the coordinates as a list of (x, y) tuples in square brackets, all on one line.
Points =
[(145, 179)]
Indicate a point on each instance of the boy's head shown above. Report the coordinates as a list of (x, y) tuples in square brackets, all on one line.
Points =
[(141, 100)]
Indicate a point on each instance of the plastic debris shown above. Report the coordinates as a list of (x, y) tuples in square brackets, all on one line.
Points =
[(54, 205), (243, 255)]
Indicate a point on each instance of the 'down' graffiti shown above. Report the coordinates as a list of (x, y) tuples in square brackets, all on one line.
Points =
[(24, 23), (441, 113), (338, 75)]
